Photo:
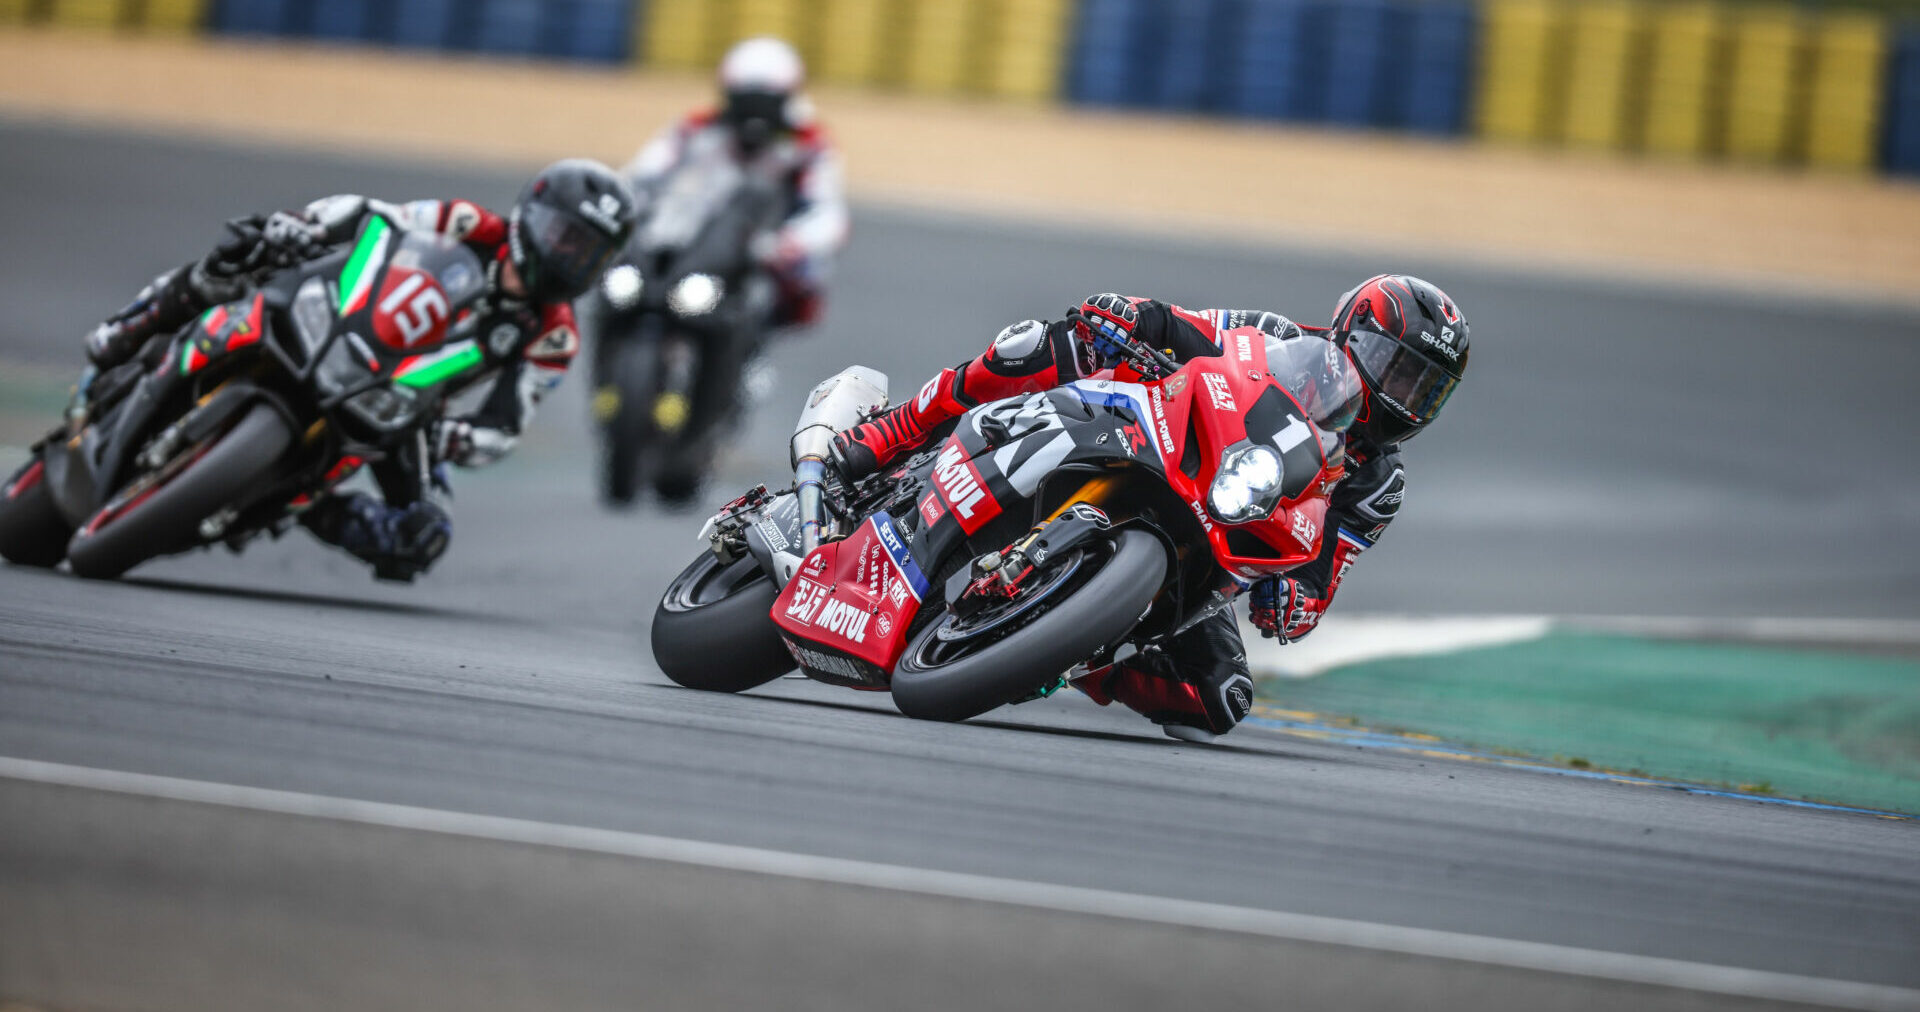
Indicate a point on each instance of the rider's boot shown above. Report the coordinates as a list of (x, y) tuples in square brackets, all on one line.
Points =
[(1197, 693), (165, 305), (401, 541), (874, 443)]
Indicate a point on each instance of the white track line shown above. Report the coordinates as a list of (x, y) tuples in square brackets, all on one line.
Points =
[(1098, 902)]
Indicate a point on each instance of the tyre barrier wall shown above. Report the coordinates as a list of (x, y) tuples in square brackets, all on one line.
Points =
[(1755, 81)]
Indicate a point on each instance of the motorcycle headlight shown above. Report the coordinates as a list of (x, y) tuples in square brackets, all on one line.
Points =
[(384, 408), (622, 286), (313, 314), (696, 295), (1247, 486)]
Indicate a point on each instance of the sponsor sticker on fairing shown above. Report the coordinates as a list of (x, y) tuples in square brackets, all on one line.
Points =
[(1243, 346), (930, 509), (843, 620), (961, 486), (1219, 392), (904, 567), (808, 596), (1160, 424)]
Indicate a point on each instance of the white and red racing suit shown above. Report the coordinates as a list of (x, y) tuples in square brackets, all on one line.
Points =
[(1202, 680), (804, 163)]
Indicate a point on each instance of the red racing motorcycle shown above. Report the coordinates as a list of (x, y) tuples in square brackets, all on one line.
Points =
[(1030, 535)]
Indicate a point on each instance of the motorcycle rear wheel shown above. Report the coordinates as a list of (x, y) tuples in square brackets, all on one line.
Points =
[(936, 682), (32, 532), (714, 629), (167, 520)]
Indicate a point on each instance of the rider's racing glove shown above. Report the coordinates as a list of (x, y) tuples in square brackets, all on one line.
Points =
[(1284, 609), (1103, 322)]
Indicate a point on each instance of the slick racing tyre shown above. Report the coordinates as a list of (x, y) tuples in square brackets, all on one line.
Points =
[(1081, 601), (141, 523), (713, 629), (31, 530), (621, 407)]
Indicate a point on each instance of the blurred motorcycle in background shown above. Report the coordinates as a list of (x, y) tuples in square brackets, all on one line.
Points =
[(677, 326)]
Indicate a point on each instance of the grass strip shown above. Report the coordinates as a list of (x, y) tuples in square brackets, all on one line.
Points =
[(1803, 724)]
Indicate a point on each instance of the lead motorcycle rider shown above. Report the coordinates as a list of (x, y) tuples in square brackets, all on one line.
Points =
[(1408, 342), (766, 125), (569, 221)]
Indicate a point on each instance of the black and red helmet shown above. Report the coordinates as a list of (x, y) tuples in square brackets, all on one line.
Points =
[(1409, 342)]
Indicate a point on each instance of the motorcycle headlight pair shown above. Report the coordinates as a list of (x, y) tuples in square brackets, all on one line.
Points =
[(1248, 485), (622, 286), (696, 295)]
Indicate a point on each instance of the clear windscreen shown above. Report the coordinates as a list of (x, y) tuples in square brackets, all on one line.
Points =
[(693, 194), (1320, 376)]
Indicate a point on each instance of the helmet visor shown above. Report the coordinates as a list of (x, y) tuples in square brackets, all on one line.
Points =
[(1404, 378), (569, 253)]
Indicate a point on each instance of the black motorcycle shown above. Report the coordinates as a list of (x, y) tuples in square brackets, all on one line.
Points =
[(232, 426), (674, 326)]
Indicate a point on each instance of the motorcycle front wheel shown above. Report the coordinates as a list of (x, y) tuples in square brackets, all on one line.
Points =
[(714, 628), (621, 406), (956, 668)]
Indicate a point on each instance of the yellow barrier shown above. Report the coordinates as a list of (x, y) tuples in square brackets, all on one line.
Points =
[(783, 19), (12, 12), (685, 33), (1604, 63), (1026, 41), (174, 15), (855, 39), (1843, 112), (89, 13), (1761, 84), (1682, 80), (1518, 51), (941, 52)]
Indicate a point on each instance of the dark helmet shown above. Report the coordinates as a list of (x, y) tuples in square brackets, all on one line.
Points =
[(760, 80), (1409, 342), (570, 221)]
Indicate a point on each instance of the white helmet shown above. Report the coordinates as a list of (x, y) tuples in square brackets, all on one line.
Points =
[(764, 64), (758, 83)]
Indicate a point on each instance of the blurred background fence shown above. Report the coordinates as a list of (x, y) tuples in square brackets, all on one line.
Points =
[(1753, 81)]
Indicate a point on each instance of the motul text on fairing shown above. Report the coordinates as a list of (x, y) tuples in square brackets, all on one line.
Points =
[(1033, 534)]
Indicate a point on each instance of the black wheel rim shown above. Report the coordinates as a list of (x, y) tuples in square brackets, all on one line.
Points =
[(709, 581), (950, 638)]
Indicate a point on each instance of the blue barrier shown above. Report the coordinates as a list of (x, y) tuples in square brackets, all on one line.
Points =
[(1903, 103), (345, 20), (1280, 60), (1436, 71), (1112, 49), (1194, 71), (426, 24), (511, 26), (1361, 59), (260, 17), (593, 30)]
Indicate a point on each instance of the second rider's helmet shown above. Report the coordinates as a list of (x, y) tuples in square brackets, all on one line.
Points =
[(570, 221), (1409, 342), (760, 81)]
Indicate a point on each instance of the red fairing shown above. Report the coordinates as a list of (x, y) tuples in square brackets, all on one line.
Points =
[(961, 488), (469, 222), (28, 478), (853, 597), (1209, 398)]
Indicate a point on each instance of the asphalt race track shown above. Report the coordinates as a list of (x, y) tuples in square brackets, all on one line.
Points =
[(1615, 450)]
